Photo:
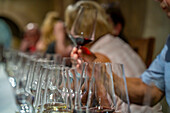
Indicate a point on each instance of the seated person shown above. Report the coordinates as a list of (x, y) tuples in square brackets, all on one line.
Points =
[(62, 44), (155, 78), (115, 48), (116, 19), (47, 28), (105, 43), (30, 38)]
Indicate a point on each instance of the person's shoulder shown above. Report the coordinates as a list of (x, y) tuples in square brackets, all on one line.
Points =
[(113, 40), (108, 37), (105, 39), (121, 42)]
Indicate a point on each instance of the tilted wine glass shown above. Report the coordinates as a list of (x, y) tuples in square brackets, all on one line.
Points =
[(81, 32)]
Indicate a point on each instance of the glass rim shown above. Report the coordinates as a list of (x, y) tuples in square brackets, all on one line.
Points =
[(103, 63)]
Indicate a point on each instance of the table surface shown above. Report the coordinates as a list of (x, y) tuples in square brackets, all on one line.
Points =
[(7, 99)]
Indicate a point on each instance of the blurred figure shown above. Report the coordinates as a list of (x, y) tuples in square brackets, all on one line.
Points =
[(30, 38), (53, 40), (47, 35), (105, 43), (62, 44), (113, 47), (116, 19), (5, 34), (153, 85)]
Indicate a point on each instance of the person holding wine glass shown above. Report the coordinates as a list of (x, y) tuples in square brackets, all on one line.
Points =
[(102, 39), (154, 82), (104, 42)]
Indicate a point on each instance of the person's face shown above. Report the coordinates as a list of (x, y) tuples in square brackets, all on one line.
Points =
[(165, 4), (32, 36)]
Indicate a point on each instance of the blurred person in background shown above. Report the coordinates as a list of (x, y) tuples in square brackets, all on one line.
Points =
[(59, 42), (5, 34), (47, 28), (30, 38), (113, 47), (62, 44), (116, 18), (153, 84)]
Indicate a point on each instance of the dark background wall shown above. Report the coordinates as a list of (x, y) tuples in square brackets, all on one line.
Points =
[(144, 18)]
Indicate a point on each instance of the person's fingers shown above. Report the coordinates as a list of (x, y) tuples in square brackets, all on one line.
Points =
[(73, 52), (75, 56), (79, 61), (79, 52), (74, 49)]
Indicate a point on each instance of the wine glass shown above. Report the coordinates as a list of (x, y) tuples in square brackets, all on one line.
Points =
[(118, 70), (34, 73), (82, 33), (23, 99), (50, 96), (56, 57), (98, 91), (72, 75), (96, 95), (12, 60), (69, 62)]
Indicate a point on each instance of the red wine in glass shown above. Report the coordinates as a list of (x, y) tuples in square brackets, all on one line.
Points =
[(79, 41), (80, 33), (82, 41)]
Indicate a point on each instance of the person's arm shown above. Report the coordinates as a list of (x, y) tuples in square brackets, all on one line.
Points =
[(60, 34), (41, 46), (137, 90)]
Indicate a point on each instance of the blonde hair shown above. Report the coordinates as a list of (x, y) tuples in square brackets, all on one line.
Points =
[(47, 27), (102, 25)]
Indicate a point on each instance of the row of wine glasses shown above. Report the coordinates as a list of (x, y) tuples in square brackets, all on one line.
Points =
[(44, 84), (86, 88), (23, 70), (16, 67), (47, 83)]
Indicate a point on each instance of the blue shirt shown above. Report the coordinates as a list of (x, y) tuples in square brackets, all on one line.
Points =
[(5, 34), (159, 71)]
